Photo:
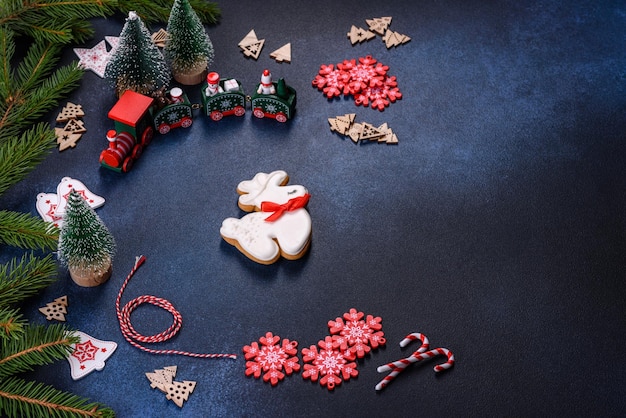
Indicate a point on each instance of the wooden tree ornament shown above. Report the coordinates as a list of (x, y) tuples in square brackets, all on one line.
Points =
[(251, 46), (55, 310), (178, 392)]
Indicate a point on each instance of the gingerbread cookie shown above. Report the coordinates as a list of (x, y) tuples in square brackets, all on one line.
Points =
[(279, 225)]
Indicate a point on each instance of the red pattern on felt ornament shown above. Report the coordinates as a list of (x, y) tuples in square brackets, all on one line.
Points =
[(366, 80), (271, 358), (355, 335), (328, 364)]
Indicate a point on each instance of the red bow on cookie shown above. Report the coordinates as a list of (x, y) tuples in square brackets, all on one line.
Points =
[(279, 209)]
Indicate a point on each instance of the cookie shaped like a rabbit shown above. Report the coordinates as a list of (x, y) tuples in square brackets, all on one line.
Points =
[(279, 225)]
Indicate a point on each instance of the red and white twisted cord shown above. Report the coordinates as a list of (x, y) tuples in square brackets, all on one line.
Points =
[(135, 338)]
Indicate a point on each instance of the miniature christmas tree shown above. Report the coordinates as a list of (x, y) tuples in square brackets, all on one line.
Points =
[(86, 246), (188, 49), (137, 64)]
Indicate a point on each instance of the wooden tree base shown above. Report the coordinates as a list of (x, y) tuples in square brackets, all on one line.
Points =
[(191, 78), (90, 277)]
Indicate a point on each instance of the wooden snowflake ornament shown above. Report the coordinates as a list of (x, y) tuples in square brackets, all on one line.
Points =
[(272, 359), (55, 310)]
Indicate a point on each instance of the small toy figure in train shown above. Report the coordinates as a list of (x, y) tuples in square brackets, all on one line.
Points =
[(222, 97), (177, 112), (213, 84), (133, 131), (274, 100)]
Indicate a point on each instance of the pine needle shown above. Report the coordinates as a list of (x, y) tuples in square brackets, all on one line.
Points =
[(25, 277), (19, 398)]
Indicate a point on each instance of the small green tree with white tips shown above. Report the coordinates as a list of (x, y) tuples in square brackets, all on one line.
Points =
[(137, 64), (86, 246), (188, 49)]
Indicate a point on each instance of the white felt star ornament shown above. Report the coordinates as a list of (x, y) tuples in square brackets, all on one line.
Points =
[(94, 59)]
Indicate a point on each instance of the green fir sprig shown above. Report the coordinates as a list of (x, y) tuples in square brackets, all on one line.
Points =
[(30, 399), (23, 230), (25, 277), (12, 323), (39, 345)]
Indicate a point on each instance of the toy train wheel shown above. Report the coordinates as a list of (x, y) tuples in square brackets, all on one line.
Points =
[(186, 122), (216, 115), (127, 165), (240, 111), (137, 150), (164, 128), (258, 112), (147, 136), (281, 117)]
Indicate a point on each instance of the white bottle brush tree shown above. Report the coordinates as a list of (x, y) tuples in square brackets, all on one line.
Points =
[(86, 246), (188, 49), (137, 64)]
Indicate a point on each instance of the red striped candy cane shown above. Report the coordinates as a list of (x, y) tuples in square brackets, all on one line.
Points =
[(402, 363), (398, 366), (420, 354), (135, 338), (435, 352)]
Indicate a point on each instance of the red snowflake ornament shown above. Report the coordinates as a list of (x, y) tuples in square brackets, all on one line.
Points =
[(332, 82), (366, 80), (380, 96), (356, 336), (271, 358), (328, 364)]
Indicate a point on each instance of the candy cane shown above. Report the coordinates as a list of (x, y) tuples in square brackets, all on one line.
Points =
[(134, 338), (402, 363), (398, 366), (434, 352)]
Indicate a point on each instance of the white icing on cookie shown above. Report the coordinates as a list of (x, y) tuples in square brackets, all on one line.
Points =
[(263, 240), (270, 187)]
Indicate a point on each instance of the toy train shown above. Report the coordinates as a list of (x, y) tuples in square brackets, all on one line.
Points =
[(136, 117)]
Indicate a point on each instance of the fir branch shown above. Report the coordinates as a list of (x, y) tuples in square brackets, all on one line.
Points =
[(11, 323), (26, 277), (23, 230), (39, 345), (20, 155), (35, 87), (19, 398), (58, 21), (152, 11)]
